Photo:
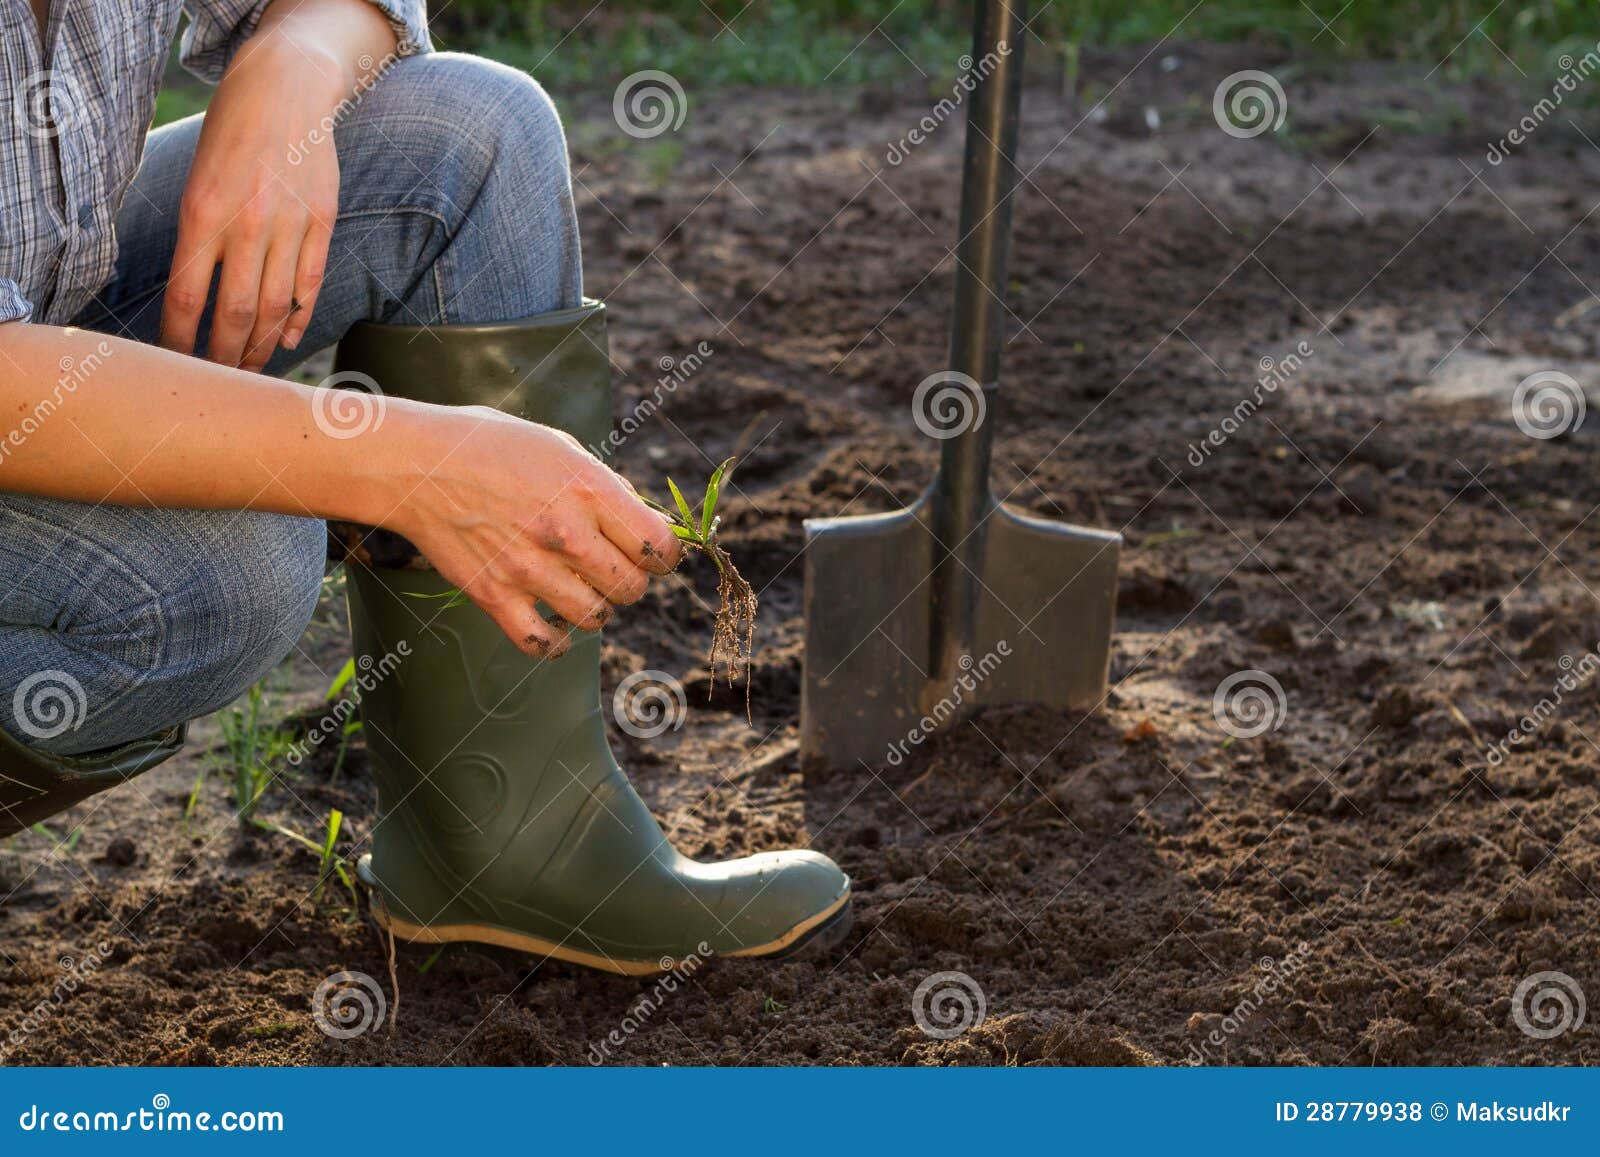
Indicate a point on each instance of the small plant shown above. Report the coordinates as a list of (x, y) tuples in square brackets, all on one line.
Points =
[(69, 843), (733, 633), (329, 866), (252, 745), (194, 795)]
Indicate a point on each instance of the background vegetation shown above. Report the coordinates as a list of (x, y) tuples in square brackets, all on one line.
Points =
[(801, 41), (571, 43)]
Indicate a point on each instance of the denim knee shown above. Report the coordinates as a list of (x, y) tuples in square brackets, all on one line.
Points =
[(491, 144), (244, 606), (148, 618)]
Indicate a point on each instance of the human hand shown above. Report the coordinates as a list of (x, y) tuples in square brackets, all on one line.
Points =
[(260, 201), (515, 513)]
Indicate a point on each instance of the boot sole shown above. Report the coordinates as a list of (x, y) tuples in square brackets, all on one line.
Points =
[(813, 935)]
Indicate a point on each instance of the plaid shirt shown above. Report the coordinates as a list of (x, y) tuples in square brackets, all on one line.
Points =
[(77, 120)]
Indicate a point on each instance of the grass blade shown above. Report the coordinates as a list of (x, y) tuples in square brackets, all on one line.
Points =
[(683, 504), (713, 493), (346, 673)]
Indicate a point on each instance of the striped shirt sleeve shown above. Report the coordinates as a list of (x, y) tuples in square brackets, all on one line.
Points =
[(218, 29), (13, 306)]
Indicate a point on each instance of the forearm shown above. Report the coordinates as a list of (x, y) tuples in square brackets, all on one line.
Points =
[(94, 418)]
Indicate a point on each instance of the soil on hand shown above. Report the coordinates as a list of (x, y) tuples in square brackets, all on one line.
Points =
[(1373, 533)]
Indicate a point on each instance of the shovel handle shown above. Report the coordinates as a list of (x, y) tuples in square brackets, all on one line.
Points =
[(989, 175), (977, 330)]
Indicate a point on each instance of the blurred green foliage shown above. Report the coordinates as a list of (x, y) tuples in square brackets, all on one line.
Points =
[(800, 41), (574, 43)]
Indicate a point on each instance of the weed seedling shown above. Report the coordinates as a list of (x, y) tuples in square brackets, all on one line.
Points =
[(252, 745), (733, 633), (69, 844), (330, 866)]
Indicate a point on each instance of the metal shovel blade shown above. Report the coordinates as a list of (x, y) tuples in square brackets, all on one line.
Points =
[(1045, 608), (917, 617)]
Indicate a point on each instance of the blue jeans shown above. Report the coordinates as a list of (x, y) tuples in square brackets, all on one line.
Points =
[(455, 206)]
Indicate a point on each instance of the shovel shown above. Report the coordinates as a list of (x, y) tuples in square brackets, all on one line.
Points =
[(917, 617)]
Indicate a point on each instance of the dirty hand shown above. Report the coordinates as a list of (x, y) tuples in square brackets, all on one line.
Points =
[(260, 201), (516, 512)]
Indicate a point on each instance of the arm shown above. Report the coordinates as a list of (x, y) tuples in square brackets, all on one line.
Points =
[(483, 495), (264, 189)]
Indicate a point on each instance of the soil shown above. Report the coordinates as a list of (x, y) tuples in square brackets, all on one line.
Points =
[(1362, 882)]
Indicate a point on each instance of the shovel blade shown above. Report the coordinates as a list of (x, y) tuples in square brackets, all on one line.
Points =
[(1046, 606), (867, 613), (1049, 592)]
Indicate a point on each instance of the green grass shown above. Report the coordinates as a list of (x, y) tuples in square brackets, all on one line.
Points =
[(252, 746), (572, 45), (776, 42), (854, 41)]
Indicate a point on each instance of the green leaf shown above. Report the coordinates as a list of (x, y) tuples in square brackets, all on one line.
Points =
[(346, 673), (683, 505), (713, 493), (335, 818)]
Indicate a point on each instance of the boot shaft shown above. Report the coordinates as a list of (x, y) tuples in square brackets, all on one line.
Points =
[(554, 369)]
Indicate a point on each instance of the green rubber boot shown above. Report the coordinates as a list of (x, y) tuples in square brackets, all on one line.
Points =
[(502, 816), (35, 785)]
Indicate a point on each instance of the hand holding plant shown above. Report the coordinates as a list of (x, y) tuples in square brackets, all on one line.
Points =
[(733, 634)]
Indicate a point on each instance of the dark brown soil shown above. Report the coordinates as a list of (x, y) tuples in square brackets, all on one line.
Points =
[(1406, 564)]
